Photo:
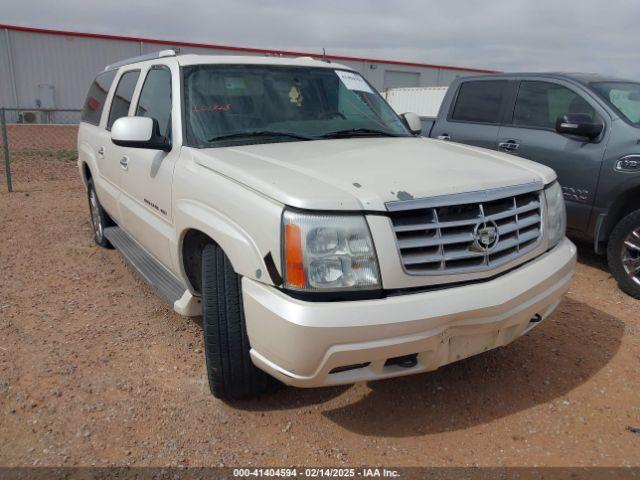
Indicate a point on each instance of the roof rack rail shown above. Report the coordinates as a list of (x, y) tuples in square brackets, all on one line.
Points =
[(142, 58)]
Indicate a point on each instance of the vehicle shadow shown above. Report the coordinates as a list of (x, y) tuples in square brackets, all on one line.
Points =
[(550, 361), (587, 256), (288, 398)]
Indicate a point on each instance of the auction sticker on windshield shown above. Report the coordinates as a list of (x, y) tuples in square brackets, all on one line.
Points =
[(353, 81)]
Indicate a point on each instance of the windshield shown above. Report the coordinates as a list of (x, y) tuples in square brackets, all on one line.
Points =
[(248, 104), (623, 96)]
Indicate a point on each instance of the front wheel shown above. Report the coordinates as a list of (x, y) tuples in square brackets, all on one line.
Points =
[(232, 374), (623, 254)]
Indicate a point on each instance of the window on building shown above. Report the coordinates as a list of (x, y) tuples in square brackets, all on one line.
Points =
[(122, 96), (155, 99), (480, 101), (94, 104), (395, 79)]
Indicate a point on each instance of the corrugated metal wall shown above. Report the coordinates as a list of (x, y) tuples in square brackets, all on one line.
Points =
[(69, 63)]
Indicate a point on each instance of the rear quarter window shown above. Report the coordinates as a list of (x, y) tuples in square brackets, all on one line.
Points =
[(480, 101), (94, 104)]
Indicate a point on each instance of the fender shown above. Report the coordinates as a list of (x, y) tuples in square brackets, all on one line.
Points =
[(621, 199), (86, 155), (243, 253)]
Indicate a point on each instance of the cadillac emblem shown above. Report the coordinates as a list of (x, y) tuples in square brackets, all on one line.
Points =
[(485, 236)]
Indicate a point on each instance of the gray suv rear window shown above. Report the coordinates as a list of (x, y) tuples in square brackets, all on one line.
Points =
[(94, 104), (480, 101)]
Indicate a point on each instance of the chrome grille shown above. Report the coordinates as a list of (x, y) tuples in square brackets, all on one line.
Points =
[(441, 235)]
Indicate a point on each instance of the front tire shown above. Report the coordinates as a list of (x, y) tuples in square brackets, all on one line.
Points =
[(99, 218), (232, 375), (623, 254)]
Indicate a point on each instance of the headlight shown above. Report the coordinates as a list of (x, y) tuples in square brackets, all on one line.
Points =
[(556, 214), (328, 253)]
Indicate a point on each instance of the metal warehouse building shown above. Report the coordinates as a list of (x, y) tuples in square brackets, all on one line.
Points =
[(53, 69)]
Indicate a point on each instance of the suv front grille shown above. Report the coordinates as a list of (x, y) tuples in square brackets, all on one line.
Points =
[(454, 233)]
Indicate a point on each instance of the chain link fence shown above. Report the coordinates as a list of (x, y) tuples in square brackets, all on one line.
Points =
[(37, 134)]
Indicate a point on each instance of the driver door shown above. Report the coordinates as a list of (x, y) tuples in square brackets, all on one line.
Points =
[(531, 134), (146, 202)]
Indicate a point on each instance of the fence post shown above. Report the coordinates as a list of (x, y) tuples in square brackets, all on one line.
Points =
[(5, 147)]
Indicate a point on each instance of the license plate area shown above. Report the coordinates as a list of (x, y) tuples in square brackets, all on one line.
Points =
[(463, 346)]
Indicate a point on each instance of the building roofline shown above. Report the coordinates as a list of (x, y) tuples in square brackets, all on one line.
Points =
[(239, 49)]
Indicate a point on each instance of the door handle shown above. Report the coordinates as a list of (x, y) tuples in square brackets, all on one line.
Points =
[(509, 145), (101, 152), (124, 162), (444, 136)]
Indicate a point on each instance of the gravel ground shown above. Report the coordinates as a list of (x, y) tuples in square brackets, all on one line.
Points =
[(96, 370)]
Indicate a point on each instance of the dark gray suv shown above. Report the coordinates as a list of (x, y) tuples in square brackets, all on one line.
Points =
[(586, 127)]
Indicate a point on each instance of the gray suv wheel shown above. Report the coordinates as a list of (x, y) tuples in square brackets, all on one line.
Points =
[(623, 253)]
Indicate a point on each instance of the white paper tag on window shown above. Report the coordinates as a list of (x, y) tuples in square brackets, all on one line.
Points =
[(353, 81)]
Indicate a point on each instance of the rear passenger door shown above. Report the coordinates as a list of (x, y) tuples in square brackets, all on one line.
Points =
[(476, 113), (531, 134), (109, 153), (91, 140)]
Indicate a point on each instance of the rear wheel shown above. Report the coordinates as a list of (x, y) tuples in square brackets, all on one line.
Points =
[(232, 374), (99, 218), (623, 254)]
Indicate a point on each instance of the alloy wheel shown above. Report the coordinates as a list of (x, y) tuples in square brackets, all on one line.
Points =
[(631, 255)]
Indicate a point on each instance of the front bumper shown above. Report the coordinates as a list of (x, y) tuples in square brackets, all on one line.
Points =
[(300, 343)]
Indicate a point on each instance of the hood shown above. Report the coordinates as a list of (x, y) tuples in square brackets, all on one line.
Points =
[(365, 173)]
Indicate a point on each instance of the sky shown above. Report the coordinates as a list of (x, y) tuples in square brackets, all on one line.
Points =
[(508, 35)]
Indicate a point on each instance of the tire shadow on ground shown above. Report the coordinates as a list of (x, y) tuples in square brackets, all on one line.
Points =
[(587, 256), (282, 397), (556, 357)]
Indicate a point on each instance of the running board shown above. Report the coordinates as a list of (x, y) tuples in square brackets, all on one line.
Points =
[(155, 274)]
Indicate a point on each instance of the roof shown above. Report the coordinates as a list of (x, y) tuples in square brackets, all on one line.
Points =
[(196, 59), (257, 51), (591, 77), (584, 78), (193, 59)]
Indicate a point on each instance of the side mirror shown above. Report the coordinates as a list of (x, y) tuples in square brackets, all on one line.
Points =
[(139, 132), (578, 124), (413, 122)]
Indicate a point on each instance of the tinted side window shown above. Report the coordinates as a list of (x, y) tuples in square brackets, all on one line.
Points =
[(155, 99), (539, 104), (122, 97), (94, 104), (480, 101)]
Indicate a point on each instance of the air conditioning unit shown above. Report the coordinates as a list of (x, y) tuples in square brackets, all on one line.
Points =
[(30, 116)]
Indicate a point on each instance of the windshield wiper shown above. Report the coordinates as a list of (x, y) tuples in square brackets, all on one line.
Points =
[(354, 132), (260, 133)]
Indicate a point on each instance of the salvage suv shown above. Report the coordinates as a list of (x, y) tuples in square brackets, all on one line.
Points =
[(322, 241)]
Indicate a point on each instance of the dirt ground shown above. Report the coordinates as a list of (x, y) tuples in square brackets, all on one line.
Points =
[(96, 370)]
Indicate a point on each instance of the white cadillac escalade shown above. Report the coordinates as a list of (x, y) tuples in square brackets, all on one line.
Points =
[(321, 240)]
